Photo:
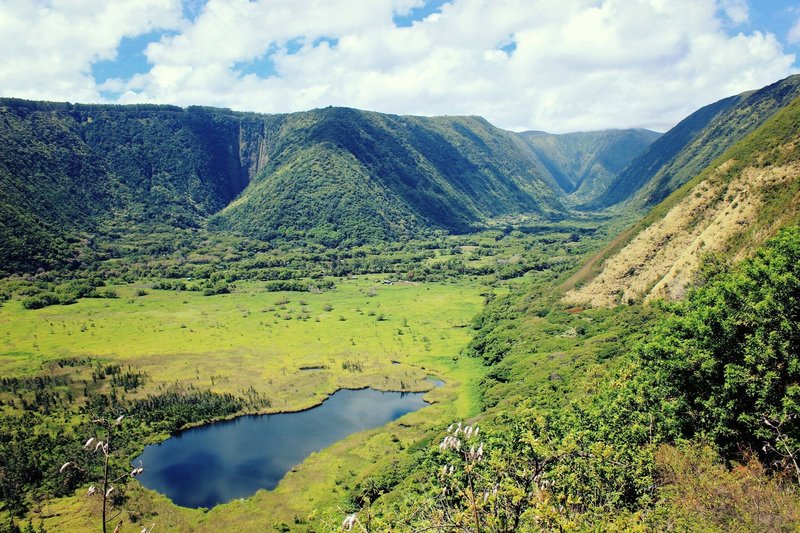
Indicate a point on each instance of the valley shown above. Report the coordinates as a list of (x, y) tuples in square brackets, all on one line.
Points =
[(616, 311), (258, 349)]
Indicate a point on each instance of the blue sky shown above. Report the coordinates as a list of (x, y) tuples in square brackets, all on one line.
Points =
[(777, 17), (554, 65)]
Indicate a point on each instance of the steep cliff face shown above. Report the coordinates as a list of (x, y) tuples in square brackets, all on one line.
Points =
[(66, 171), (731, 208)]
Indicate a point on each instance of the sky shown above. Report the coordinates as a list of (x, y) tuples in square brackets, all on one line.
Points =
[(551, 65)]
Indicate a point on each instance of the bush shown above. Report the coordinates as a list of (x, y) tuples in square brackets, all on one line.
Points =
[(287, 285), (41, 300), (729, 356), (218, 288)]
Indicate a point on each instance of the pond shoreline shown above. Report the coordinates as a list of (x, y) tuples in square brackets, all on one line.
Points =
[(161, 437), (217, 462)]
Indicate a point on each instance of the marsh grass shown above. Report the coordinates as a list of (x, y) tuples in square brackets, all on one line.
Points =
[(229, 344), (227, 335)]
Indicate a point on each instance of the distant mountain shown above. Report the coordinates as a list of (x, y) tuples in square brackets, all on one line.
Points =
[(685, 150), (728, 209), (334, 176), (584, 163)]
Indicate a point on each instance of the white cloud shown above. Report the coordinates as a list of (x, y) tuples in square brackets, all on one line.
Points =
[(581, 64), (49, 46), (794, 33), (736, 10)]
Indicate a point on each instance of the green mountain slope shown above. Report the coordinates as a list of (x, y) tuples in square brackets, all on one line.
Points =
[(728, 210), (684, 151), (331, 175), (342, 175), (65, 170), (584, 163)]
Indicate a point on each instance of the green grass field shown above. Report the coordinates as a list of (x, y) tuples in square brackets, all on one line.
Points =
[(362, 333), (255, 338)]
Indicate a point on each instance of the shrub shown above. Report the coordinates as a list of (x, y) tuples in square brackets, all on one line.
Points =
[(41, 300)]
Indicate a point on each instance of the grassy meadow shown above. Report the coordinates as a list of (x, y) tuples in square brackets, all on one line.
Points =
[(268, 352), (292, 348), (295, 348)]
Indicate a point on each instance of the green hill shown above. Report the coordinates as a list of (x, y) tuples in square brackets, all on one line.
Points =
[(342, 175), (685, 150)]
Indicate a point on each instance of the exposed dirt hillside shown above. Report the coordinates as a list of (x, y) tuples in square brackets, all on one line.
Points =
[(742, 199)]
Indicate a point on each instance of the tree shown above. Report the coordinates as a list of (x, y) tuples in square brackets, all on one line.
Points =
[(729, 356), (107, 491)]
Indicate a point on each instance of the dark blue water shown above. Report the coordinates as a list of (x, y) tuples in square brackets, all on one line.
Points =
[(219, 462)]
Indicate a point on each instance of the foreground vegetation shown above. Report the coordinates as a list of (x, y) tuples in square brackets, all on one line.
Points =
[(694, 428), (679, 416)]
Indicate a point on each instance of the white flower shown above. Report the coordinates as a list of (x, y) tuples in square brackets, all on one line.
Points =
[(348, 522), (64, 467), (88, 442), (92, 491), (450, 442)]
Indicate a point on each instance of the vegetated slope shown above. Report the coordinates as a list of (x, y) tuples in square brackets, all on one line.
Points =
[(66, 170), (689, 147), (649, 409), (584, 163), (339, 175), (743, 198), (332, 175)]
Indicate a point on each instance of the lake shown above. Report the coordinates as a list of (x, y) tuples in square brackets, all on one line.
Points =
[(219, 462)]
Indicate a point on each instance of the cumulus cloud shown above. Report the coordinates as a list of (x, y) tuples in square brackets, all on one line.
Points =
[(49, 46), (736, 10), (543, 64)]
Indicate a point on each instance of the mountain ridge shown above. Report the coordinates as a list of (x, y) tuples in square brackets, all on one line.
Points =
[(744, 197), (591, 158), (69, 170), (685, 150)]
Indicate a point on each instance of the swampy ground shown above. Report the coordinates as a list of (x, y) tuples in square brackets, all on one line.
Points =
[(269, 351)]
